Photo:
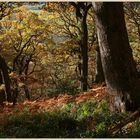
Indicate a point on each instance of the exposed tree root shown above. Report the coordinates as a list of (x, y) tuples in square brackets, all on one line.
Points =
[(129, 119)]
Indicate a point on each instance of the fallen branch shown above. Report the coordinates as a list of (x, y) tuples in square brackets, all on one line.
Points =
[(96, 89), (129, 119)]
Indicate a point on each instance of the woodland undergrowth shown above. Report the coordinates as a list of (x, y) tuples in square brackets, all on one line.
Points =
[(84, 115)]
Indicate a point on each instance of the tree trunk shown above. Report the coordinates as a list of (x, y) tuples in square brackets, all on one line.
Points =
[(26, 90), (4, 69), (81, 16), (15, 92), (84, 53), (2, 92), (116, 56), (99, 75)]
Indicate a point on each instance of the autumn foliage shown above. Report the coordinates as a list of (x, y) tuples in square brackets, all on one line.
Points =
[(41, 47)]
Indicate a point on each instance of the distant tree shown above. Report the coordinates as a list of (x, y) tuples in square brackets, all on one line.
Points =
[(82, 9), (24, 36), (69, 25), (132, 12), (5, 10), (132, 17)]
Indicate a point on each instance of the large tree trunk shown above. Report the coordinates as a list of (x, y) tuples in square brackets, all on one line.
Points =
[(116, 55), (6, 79)]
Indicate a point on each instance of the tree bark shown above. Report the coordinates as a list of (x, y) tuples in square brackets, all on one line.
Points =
[(2, 92), (26, 90), (84, 52), (4, 69), (99, 75), (15, 91), (81, 15), (116, 56)]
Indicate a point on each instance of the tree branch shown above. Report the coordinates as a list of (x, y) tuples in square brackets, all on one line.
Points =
[(129, 119)]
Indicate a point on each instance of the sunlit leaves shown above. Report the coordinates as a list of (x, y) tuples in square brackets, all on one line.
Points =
[(24, 35), (132, 16)]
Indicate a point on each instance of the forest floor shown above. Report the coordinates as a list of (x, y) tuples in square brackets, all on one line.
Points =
[(84, 115), (98, 93)]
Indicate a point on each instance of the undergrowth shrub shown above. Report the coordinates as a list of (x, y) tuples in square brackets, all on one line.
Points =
[(43, 124), (67, 86), (131, 131), (87, 119), (135, 131)]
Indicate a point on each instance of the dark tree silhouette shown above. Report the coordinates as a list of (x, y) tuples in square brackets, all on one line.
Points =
[(81, 15)]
